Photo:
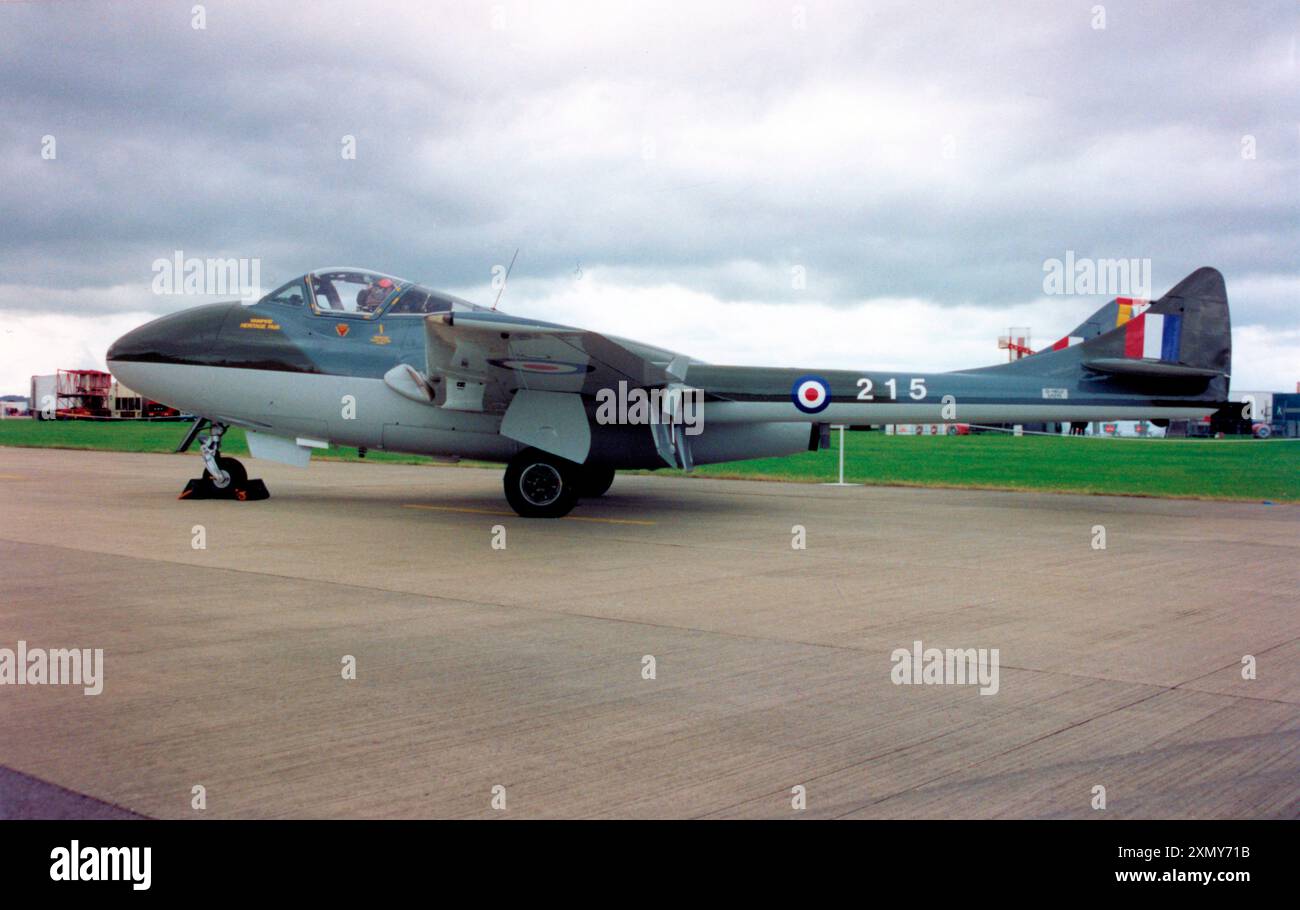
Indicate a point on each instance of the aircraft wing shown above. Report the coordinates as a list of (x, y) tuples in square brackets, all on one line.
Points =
[(484, 358), (536, 374)]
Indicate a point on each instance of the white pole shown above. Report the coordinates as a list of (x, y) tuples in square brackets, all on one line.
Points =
[(841, 454), (841, 482)]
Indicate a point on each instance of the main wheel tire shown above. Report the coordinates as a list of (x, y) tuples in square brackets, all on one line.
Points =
[(595, 481), (541, 485), (234, 468)]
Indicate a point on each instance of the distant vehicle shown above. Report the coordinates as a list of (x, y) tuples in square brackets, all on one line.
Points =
[(1285, 419), (45, 396), (359, 358)]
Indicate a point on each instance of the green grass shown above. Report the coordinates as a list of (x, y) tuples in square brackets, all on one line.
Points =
[(1189, 468), (1240, 469), (157, 436)]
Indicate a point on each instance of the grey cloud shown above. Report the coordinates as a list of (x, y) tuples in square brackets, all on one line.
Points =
[(472, 141)]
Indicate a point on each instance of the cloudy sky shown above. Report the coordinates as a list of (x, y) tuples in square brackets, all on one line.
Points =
[(804, 184)]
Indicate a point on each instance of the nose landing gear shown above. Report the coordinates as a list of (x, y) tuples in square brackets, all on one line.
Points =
[(223, 477)]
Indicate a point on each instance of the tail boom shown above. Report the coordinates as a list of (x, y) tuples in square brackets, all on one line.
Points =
[(1172, 360)]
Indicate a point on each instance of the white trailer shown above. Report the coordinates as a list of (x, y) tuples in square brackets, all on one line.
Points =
[(45, 396)]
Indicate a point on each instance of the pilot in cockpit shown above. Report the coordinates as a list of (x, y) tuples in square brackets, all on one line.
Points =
[(371, 298)]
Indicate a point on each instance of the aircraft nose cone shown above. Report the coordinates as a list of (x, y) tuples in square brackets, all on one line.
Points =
[(187, 337), (184, 337)]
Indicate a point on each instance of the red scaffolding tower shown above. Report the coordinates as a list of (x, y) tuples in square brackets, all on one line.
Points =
[(82, 393)]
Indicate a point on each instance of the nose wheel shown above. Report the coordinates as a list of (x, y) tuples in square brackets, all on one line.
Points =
[(223, 477), (230, 473)]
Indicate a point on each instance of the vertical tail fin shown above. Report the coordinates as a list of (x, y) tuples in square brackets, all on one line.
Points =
[(1184, 335), (1177, 346)]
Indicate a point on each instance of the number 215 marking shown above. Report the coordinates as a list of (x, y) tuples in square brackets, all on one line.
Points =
[(916, 392)]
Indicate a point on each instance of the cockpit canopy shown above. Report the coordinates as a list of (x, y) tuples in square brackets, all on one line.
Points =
[(358, 292)]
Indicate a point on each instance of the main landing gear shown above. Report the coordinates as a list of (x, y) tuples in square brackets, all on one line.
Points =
[(594, 481), (541, 485), (223, 477)]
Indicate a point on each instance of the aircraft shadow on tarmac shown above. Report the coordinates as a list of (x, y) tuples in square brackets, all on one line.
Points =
[(643, 504)]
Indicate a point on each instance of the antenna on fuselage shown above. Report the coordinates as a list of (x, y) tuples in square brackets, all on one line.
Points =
[(502, 289)]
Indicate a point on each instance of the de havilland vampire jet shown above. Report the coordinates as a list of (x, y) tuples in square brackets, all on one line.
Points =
[(352, 357)]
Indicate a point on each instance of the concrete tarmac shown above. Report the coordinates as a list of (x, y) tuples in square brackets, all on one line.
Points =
[(524, 667)]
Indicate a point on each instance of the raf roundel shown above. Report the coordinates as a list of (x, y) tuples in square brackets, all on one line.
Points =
[(811, 394), (548, 367)]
